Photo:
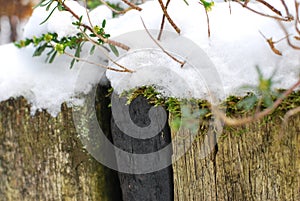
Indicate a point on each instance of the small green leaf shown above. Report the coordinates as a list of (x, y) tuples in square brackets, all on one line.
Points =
[(52, 57), (40, 50), (72, 63), (103, 23), (49, 5), (49, 54), (185, 1), (20, 44), (92, 49), (106, 35), (78, 50), (247, 103), (267, 99), (114, 49), (42, 4), (60, 7), (48, 16), (207, 5)]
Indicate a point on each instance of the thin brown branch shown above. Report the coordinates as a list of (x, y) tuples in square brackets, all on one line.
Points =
[(93, 63), (105, 40), (287, 18), (285, 119), (114, 10), (288, 38), (272, 44), (132, 5), (242, 121), (166, 52), (246, 2), (97, 64), (163, 22), (290, 113), (270, 7), (285, 7), (297, 17), (168, 17), (208, 24)]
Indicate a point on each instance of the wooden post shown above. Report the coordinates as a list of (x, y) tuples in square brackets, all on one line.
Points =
[(259, 161), (41, 158)]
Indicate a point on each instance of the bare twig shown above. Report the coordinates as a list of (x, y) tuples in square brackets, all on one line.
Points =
[(287, 18), (114, 10), (168, 16), (132, 5), (105, 40), (285, 7), (93, 63), (288, 38), (207, 19), (272, 44), (97, 64), (239, 122), (297, 17), (286, 117), (166, 52), (270, 7), (163, 22), (246, 2), (290, 113)]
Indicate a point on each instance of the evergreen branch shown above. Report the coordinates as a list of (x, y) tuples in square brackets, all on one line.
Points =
[(105, 40)]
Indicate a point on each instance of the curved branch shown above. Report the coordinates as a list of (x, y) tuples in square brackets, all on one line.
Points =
[(290, 113), (287, 19)]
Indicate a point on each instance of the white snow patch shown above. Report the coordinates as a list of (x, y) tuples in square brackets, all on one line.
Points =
[(44, 85)]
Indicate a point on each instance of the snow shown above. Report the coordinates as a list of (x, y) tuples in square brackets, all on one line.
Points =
[(235, 45), (44, 85), (235, 48)]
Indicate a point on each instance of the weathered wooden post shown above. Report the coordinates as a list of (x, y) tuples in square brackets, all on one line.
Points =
[(258, 161), (42, 158)]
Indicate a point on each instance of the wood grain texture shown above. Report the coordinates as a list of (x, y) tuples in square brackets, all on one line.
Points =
[(41, 158), (252, 163)]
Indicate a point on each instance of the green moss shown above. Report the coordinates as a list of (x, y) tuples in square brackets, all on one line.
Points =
[(235, 106)]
